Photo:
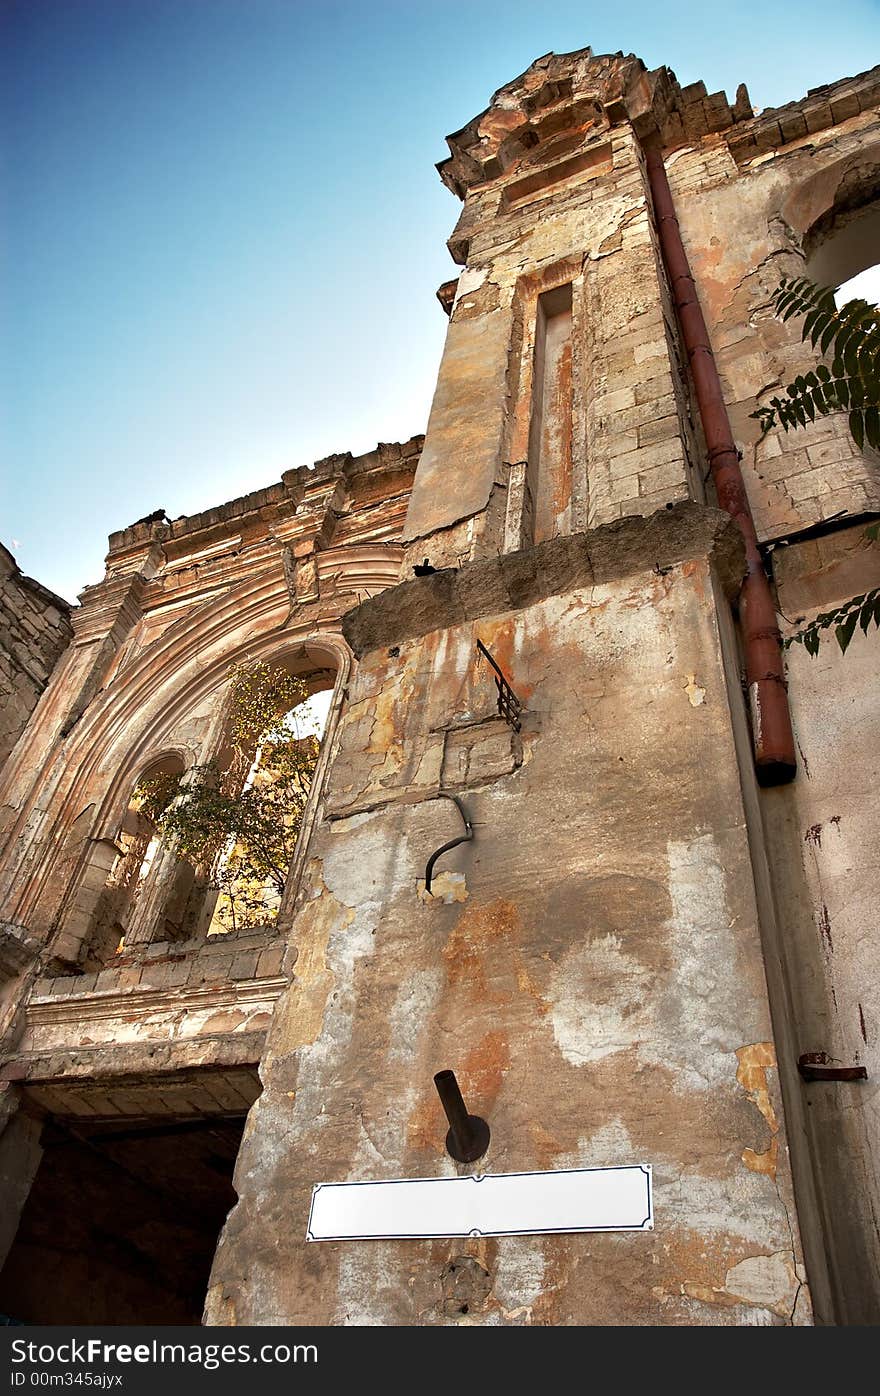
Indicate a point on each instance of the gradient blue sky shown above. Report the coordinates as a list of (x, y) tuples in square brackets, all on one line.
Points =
[(222, 228)]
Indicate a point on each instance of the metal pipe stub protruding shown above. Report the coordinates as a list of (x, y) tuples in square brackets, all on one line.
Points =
[(468, 1136)]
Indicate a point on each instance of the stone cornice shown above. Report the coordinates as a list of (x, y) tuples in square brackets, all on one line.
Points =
[(565, 96), (513, 581), (92, 1007), (568, 99), (277, 501)]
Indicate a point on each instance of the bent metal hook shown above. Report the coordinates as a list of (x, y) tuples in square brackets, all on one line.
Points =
[(453, 843)]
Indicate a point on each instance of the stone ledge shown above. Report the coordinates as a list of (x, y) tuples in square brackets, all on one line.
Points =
[(113, 1002), (123, 1059), (516, 580)]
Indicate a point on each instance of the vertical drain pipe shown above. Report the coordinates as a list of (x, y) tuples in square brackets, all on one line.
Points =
[(775, 759)]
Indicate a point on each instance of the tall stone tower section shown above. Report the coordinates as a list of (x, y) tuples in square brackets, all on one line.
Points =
[(593, 956), (559, 405)]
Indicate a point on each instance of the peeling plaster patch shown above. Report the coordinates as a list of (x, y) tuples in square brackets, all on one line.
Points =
[(607, 1146), (695, 1026), (470, 280), (363, 868), (446, 887), (377, 1150), (696, 694), (751, 1074), (478, 932), (318, 1012), (732, 1206), (597, 990), (302, 1008), (414, 1002), (519, 1272), (607, 1001), (362, 1297), (709, 1294), (769, 1281)]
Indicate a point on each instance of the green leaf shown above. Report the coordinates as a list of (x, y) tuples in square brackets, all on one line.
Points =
[(827, 336), (844, 633), (857, 428)]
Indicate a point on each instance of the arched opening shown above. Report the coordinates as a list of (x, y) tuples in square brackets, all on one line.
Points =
[(122, 904), (252, 801), (205, 846), (842, 246)]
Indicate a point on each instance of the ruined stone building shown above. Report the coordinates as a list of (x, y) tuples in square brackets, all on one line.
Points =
[(661, 943)]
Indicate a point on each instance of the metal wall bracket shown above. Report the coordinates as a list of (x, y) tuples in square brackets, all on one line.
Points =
[(509, 706), (815, 1066), (453, 843), (468, 1136)]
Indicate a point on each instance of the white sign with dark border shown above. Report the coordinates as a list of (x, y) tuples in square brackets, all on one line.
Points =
[(492, 1204)]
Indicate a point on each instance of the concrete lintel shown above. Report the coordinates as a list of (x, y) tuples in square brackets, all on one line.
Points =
[(135, 1058), (609, 553)]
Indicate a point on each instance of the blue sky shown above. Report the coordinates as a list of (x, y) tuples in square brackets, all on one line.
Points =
[(222, 230)]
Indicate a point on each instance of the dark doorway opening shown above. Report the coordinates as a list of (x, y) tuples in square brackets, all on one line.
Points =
[(122, 1221)]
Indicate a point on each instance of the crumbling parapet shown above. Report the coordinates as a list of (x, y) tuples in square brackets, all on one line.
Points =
[(35, 628)]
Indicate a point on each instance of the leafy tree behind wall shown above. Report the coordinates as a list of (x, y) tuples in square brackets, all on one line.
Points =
[(848, 338), (238, 827)]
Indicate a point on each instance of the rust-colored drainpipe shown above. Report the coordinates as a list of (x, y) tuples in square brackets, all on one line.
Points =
[(775, 759)]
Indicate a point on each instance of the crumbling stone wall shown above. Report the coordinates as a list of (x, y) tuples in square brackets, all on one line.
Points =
[(555, 197), (165, 1025), (628, 960), (589, 965), (765, 201), (34, 629)]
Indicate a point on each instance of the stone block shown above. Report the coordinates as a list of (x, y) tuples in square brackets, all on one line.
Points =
[(270, 962), (480, 752), (244, 966)]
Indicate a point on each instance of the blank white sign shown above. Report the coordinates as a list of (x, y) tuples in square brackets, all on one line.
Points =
[(499, 1204)]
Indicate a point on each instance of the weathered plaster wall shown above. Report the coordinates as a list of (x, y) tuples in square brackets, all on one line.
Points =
[(758, 196), (592, 972), (34, 629), (752, 211), (822, 837)]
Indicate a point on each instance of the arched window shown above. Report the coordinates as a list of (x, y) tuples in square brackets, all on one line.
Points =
[(137, 843), (276, 749), (842, 247), (206, 846), (844, 241)]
